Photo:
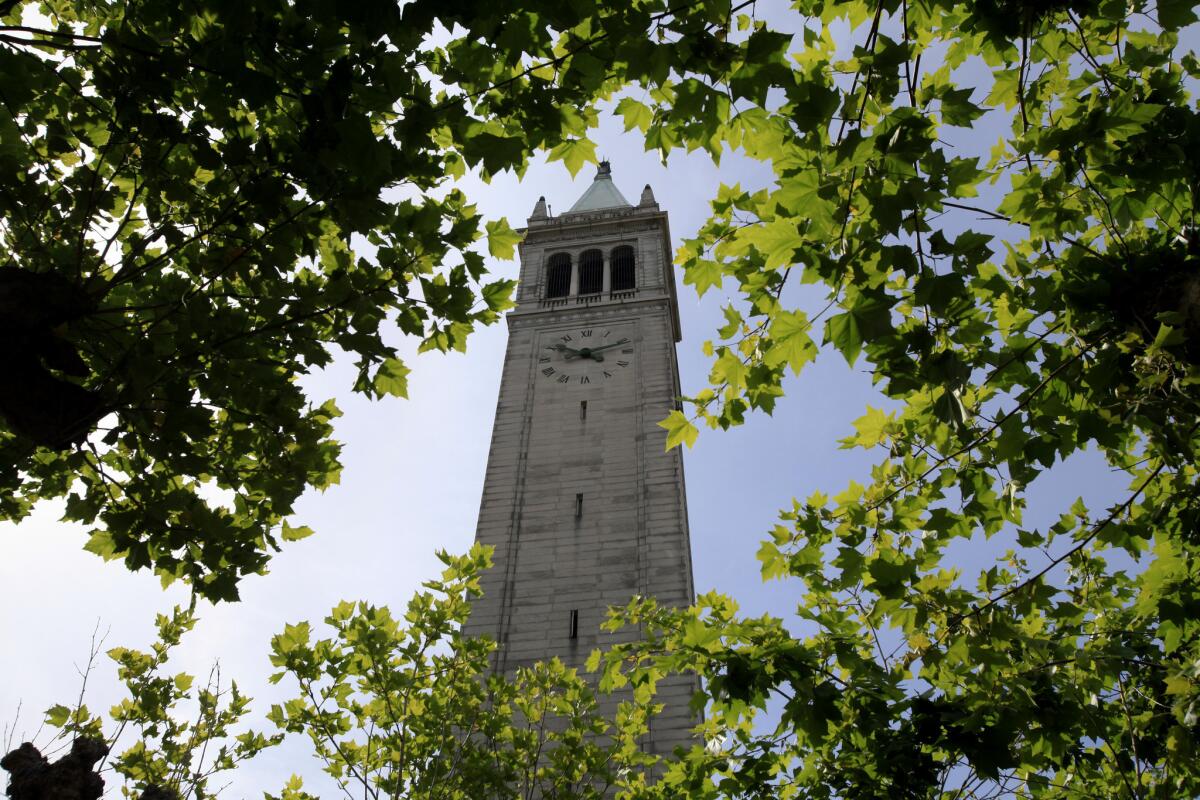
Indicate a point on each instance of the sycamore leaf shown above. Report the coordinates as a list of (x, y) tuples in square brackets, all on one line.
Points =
[(777, 241), (872, 429), (733, 323), (502, 240), (1176, 14), (1167, 336), (636, 115), (866, 319), (841, 330), (57, 715), (949, 408), (574, 153), (392, 378), (101, 543), (798, 193), (791, 343), (703, 274), (294, 533), (730, 370), (498, 295), (680, 430)]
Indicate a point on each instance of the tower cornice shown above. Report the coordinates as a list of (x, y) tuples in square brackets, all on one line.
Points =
[(572, 312), (589, 220)]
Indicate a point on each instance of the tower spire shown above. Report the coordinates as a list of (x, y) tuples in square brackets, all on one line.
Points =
[(603, 193)]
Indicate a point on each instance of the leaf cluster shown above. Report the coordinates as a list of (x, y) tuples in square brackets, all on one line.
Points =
[(1016, 309), (391, 706), (201, 204), (183, 733), (410, 707)]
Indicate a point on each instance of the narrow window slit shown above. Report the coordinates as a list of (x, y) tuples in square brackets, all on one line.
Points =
[(582, 410), (578, 506), (573, 625)]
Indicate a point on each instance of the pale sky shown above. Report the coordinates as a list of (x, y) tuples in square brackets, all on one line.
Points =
[(412, 481)]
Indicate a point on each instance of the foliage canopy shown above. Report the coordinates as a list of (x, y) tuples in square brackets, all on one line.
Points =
[(183, 192), (393, 707), (1016, 306)]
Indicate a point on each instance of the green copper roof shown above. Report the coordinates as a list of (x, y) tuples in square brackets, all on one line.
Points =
[(601, 194)]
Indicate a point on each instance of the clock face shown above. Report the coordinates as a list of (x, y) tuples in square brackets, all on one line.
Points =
[(585, 356)]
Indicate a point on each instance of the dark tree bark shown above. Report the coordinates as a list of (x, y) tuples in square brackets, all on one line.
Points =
[(72, 777)]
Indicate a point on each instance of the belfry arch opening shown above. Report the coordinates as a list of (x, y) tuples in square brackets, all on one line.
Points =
[(624, 274), (558, 275), (591, 272)]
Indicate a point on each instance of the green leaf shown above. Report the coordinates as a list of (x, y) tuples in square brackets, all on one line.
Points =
[(776, 240), (957, 108), (842, 331), (1176, 14), (798, 195), (1167, 336), (498, 295), (679, 429), (729, 370), (949, 408), (293, 637), (574, 153), (791, 343), (703, 274), (502, 240), (636, 115), (866, 319), (290, 533), (57, 715), (733, 323), (392, 378), (496, 152), (102, 544), (889, 577), (872, 427)]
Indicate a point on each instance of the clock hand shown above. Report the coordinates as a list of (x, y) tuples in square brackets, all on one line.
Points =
[(568, 352), (606, 346)]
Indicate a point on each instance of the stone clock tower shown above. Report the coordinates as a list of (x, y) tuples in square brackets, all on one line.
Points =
[(584, 507)]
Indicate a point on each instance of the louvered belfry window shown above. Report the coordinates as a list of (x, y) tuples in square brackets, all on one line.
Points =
[(623, 275), (591, 272), (558, 275)]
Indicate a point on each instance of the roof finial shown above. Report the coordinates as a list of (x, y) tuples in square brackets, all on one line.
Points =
[(647, 197), (539, 209), (602, 193)]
